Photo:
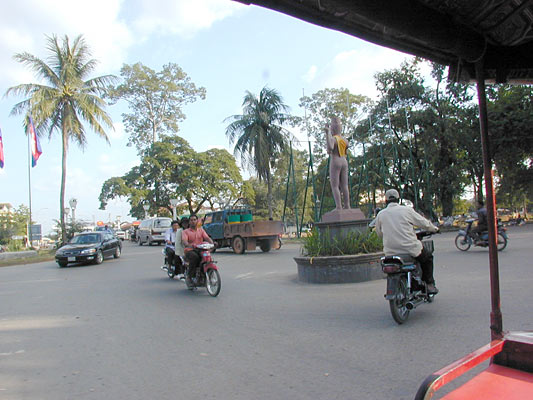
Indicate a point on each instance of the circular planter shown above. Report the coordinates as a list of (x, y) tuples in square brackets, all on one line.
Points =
[(340, 269)]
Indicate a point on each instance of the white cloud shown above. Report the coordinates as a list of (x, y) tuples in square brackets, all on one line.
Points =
[(310, 74), (26, 22), (182, 17), (355, 69)]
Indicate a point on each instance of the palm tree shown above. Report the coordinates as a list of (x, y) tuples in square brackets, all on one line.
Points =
[(258, 134), (64, 97)]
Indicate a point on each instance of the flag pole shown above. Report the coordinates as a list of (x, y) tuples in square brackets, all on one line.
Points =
[(29, 181)]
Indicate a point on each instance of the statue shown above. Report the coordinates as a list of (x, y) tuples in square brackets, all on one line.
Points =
[(338, 165)]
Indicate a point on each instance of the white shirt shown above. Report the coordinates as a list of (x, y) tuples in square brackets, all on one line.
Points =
[(395, 224)]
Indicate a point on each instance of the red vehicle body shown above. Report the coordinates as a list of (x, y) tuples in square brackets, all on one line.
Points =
[(206, 274)]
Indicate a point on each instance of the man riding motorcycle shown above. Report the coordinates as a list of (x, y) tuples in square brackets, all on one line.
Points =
[(482, 224), (192, 236), (395, 225)]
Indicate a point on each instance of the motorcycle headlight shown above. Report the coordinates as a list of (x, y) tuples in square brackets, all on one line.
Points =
[(88, 251)]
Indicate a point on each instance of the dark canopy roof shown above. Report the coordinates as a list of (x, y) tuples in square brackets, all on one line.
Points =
[(453, 32)]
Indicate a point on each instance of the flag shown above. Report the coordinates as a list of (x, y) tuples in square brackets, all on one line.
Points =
[(34, 143), (1, 151)]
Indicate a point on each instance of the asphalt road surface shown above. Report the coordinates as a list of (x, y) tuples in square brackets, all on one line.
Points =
[(123, 330)]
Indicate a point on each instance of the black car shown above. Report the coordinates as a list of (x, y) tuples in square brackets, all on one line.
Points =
[(89, 247)]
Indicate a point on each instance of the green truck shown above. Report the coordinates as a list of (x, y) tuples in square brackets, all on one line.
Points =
[(236, 228)]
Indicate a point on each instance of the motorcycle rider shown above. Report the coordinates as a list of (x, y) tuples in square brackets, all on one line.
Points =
[(174, 249), (482, 224), (395, 225), (192, 236)]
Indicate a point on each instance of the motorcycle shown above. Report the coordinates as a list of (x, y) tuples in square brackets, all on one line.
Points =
[(466, 238), (206, 273), (170, 269), (405, 287)]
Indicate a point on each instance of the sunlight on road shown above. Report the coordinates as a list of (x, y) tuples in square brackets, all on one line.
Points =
[(35, 323)]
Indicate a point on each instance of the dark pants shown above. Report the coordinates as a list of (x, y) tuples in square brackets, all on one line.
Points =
[(426, 263), (173, 259), (193, 258)]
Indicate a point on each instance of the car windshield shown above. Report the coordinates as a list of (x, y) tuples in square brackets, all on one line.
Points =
[(162, 223), (85, 239)]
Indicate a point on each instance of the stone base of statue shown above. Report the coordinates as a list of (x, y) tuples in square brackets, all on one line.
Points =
[(338, 223)]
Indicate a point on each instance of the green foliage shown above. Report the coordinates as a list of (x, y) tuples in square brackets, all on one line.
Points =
[(156, 101), (170, 168), (13, 224), (259, 135), (353, 243)]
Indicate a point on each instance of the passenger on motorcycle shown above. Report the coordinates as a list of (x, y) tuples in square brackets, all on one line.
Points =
[(192, 236), (174, 249), (395, 224), (482, 224)]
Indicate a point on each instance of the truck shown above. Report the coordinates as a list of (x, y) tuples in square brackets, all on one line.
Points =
[(236, 228)]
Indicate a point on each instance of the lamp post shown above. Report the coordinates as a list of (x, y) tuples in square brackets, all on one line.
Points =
[(146, 207), (73, 203), (173, 203)]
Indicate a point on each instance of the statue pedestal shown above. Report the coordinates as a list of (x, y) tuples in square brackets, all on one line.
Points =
[(338, 223)]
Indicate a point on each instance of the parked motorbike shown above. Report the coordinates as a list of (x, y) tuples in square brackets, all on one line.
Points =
[(206, 273), (405, 287), (466, 238)]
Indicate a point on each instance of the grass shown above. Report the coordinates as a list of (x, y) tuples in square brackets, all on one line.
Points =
[(42, 255)]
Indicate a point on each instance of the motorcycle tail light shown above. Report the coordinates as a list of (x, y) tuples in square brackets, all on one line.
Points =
[(390, 269)]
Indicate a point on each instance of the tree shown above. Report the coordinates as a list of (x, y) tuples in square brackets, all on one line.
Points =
[(13, 223), (258, 134), (66, 100), (170, 168), (156, 101), (511, 130)]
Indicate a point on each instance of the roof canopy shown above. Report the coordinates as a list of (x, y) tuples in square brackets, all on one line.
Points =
[(457, 33)]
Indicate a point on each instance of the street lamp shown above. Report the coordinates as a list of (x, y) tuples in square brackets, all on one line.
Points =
[(146, 207), (73, 203), (174, 203)]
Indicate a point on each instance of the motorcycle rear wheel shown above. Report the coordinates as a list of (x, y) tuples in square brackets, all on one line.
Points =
[(170, 271), (462, 243), (502, 242), (398, 309), (212, 282)]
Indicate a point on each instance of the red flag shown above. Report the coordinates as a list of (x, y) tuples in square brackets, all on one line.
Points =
[(34, 144), (1, 151)]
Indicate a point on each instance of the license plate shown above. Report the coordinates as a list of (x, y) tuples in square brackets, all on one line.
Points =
[(72, 258)]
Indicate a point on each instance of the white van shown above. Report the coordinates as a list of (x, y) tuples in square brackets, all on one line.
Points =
[(153, 230)]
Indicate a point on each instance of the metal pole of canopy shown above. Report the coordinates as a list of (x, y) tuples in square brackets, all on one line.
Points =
[(496, 323), (287, 190)]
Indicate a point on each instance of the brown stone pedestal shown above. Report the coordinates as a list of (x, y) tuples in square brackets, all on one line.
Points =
[(346, 214)]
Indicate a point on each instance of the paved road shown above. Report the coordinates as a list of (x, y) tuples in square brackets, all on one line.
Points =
[(122, 330)]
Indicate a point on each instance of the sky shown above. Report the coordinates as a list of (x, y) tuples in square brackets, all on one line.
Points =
[(227, 47)]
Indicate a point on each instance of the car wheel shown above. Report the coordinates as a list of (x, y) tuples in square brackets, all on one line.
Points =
[(99, 257), (118, 251)]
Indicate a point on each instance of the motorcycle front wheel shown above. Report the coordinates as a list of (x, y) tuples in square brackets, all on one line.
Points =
[(398, 309), (462, 243), (212, 282), (502, 242)]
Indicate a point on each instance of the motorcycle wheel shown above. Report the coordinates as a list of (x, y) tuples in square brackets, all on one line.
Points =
[(188, 280), (399, 311), (170, 272), (462, 243), (212, 282), (502, 242)]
